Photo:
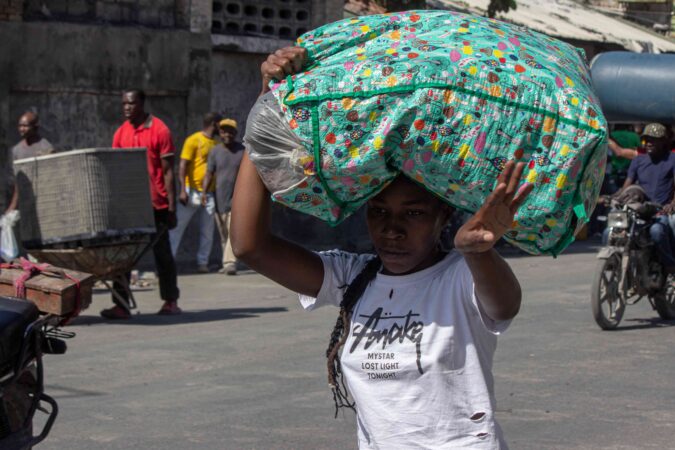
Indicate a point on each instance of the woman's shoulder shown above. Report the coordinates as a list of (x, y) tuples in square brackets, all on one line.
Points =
[(346, 259)]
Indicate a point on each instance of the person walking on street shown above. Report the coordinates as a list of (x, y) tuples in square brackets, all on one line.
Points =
[(223, 163), (141, 129), (31, 144), (191, 172)]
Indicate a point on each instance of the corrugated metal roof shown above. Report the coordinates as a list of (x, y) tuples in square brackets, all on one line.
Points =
[(571, 20)]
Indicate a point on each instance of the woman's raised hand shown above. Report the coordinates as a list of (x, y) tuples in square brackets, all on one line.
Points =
[(285, 61), (482, 231)]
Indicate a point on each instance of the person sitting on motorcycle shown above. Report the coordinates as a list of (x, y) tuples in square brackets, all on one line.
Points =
[(654, 171)]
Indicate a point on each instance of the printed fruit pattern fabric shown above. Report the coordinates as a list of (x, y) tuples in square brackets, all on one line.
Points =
[(447, 99)]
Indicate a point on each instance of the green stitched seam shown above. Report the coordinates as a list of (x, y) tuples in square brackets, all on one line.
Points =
[(404, 89), (317, 158)]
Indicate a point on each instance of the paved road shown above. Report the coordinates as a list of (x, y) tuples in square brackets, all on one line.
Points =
[(243, 368)]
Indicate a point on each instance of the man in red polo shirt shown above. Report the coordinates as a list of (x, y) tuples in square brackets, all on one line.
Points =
[(145, 130)]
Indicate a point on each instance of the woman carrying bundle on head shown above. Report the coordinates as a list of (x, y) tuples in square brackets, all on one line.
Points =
[(414, 115), (417, 326)]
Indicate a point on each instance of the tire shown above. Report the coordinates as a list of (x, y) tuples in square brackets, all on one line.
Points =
[(606, 302), (665, 302)]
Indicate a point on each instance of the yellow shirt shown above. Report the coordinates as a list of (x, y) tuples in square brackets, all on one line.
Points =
[(196, 151)]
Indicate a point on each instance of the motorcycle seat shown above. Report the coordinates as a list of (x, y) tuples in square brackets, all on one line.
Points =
[(15, 317)]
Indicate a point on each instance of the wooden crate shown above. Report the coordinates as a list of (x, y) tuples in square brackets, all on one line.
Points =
[(50, 293)]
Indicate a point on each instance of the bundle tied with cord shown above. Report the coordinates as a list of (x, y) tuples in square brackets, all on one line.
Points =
[(445, 99)]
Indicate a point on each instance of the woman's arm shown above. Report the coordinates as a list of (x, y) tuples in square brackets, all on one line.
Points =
[(288, 264), (497, 288)]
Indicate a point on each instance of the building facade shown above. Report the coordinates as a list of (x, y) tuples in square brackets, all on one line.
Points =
[(69, 60)]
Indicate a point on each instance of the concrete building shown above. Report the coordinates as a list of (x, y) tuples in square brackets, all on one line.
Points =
[(69, 60), (655, 14), (658, 15)]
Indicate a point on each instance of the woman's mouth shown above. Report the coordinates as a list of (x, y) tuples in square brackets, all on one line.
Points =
[(391, 254)]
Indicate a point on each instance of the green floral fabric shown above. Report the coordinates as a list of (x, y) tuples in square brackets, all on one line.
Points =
[(446, 99)]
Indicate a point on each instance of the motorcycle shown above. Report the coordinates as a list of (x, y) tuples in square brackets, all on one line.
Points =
[(628, 267), (24, 337)]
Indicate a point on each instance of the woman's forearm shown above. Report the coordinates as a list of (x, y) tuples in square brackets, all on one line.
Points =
[(496, 286)]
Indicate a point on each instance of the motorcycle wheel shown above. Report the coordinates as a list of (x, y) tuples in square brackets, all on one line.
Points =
[(664, 302), (606, 301)]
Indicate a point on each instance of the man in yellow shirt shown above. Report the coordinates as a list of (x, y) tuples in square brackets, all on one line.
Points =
[(192, 169)]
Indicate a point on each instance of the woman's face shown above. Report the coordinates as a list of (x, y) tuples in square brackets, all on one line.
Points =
[(405, 224)]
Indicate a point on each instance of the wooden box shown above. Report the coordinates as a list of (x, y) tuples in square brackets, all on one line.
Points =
[(51, 294)]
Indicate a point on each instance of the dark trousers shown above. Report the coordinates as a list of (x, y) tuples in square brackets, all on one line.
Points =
[(164, 262)]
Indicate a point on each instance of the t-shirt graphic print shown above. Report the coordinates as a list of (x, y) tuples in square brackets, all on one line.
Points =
[(418, 358)]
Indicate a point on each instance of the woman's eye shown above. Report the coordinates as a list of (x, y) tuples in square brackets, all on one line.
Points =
[(415, 212)]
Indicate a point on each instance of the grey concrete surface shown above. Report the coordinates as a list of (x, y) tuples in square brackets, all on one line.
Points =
[(243, 368)]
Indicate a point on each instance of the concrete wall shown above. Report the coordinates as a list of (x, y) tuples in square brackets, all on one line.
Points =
[(236, 83), (73, 75), (69, 62), (149, 13)]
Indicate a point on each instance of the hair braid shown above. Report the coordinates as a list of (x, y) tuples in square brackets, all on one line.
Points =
[(341, 330)]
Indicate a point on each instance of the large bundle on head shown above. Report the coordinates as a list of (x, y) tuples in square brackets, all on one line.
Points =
[(446, 99)]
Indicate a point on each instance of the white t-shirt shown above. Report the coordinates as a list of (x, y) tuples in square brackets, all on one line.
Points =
[(418, 358)]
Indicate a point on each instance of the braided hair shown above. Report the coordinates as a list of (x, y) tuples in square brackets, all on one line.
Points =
[(341, 330)]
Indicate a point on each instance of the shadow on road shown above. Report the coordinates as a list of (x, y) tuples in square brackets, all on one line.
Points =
[(207, 315), (641, 324), (69, 392)]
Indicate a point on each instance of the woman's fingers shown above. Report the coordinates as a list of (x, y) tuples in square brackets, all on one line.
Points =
[(505, 176), (296, 55), (514, 180), (285, 61), (497, 196), (521, 196)]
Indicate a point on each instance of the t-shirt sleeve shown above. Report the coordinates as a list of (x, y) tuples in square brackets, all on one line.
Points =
[(189, 148), (164, 143), (339, 269), (468, 290), (117, 140), (632, 169), (210, 162), (47, 146)]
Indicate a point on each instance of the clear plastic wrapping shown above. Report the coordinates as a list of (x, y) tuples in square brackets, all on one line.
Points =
[(277, 153)]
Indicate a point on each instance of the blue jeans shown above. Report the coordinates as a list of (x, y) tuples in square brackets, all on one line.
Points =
[(662, 235)]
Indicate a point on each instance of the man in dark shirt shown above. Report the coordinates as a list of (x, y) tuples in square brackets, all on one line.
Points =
[(223, 162), (655, 173)]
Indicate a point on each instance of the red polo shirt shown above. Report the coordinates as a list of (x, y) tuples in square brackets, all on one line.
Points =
[(155, 136)]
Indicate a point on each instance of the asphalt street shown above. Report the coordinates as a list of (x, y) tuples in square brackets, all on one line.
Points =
[(244, 368)]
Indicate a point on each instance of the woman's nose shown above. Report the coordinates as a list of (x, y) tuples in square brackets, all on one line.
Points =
[(393, 229)]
